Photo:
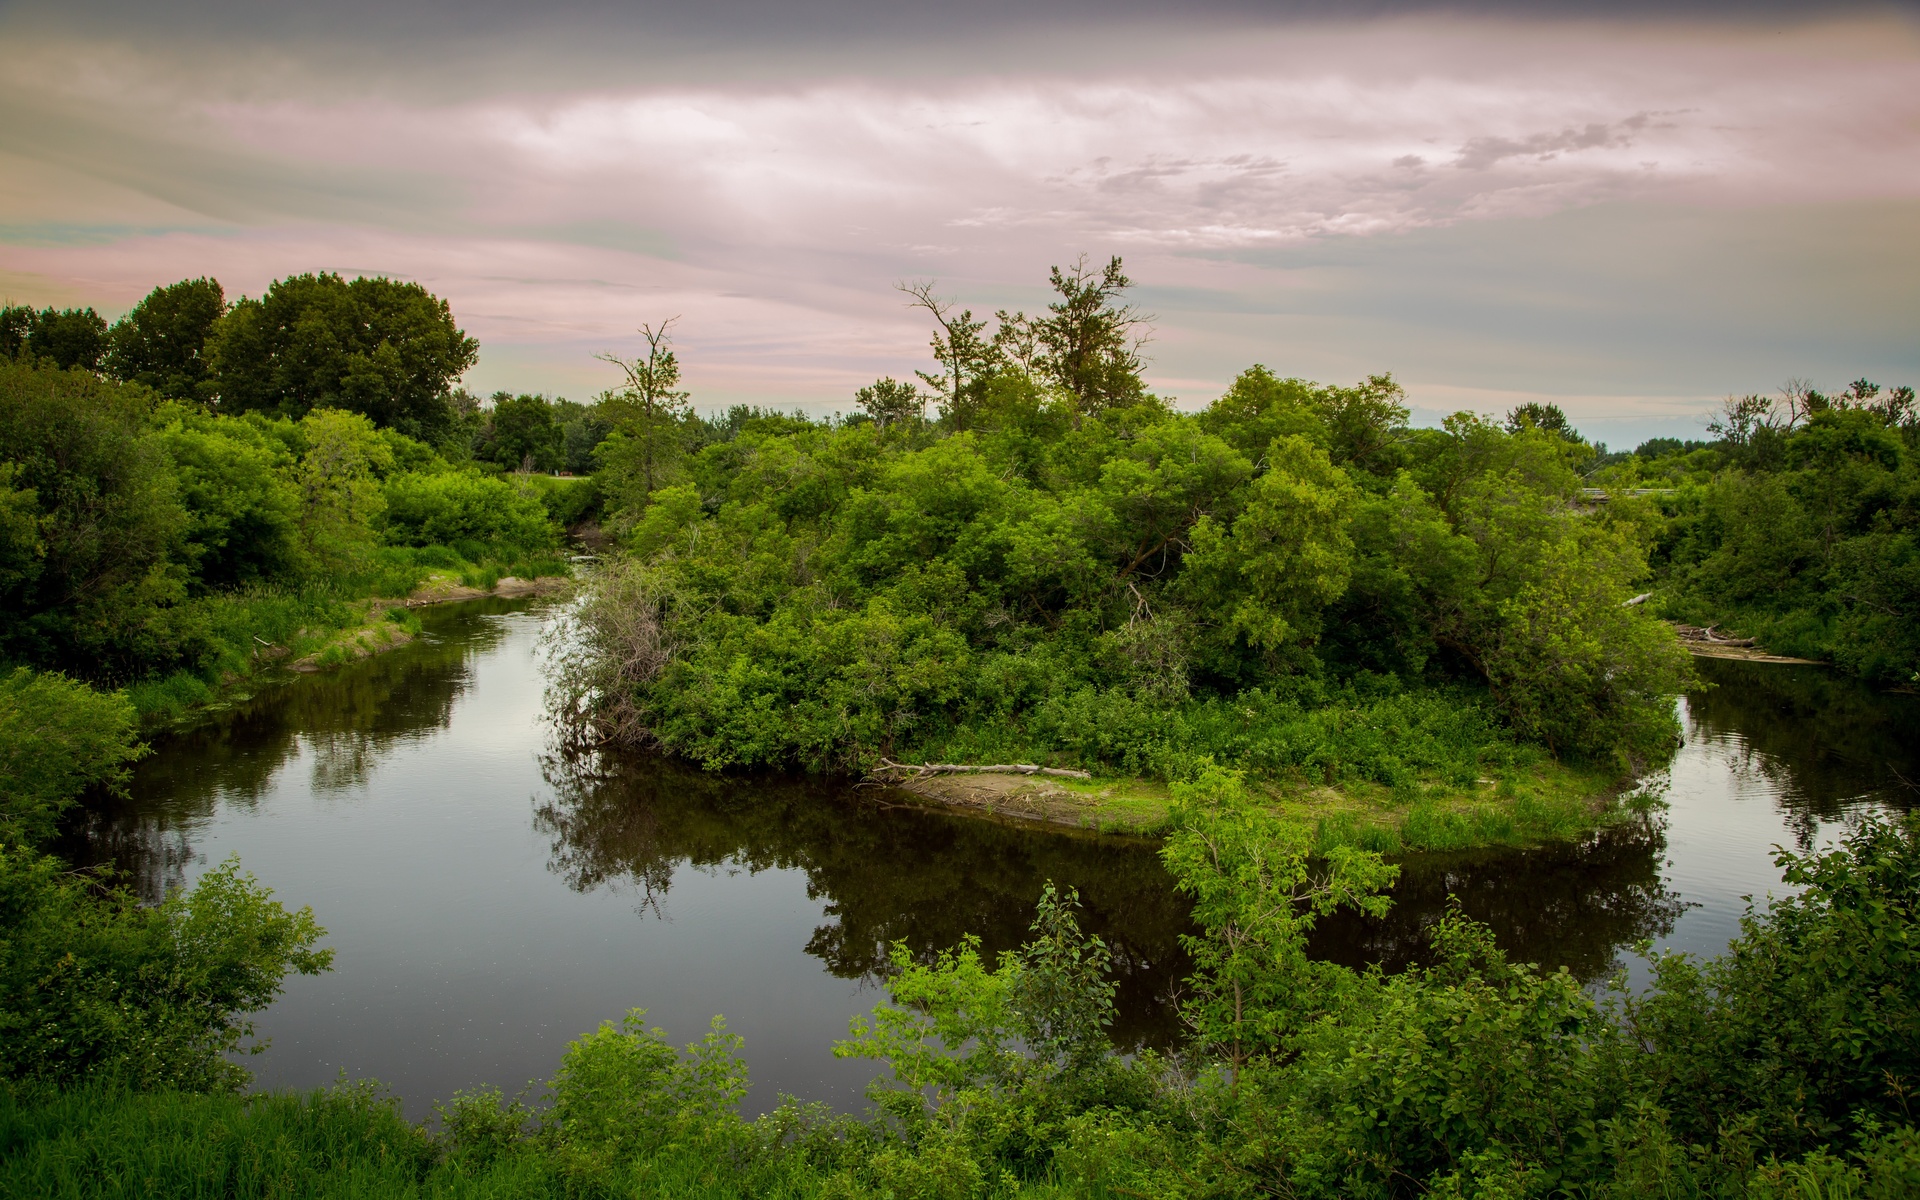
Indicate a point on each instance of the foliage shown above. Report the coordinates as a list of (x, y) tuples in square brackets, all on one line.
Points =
[(522, 434), (386, 350), (236, 482), (957, 1025), (1801, 527), (1065, 568), (95, 987), (453, 508), (97, 529), (66, 339), (339, 494), (624, 1091), (887, 402), (58, 737), (161, 342), (1255, 897)]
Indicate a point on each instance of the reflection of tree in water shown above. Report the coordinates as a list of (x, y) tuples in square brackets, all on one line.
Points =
[(907, 875), (1824, 742), (1568, 905), (930, 878), (350, 719)]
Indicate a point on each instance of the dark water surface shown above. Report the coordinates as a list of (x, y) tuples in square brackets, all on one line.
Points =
[(488, 900)]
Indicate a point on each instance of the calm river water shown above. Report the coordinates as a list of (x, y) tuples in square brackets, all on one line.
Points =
[(488, 901)]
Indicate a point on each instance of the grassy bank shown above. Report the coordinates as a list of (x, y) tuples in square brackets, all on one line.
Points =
[(1519, 805), (248, 635)]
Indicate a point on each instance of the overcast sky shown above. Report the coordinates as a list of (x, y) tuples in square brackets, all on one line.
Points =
[(1630, 209)]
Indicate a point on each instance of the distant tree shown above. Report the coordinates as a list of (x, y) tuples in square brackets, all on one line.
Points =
[(965, 358), (891, 403), (162, 341), (16, 326), (648, 414), (1091, 343), (385, 349), (525, 436), (66, 338), (1547, 418), (580, 436)]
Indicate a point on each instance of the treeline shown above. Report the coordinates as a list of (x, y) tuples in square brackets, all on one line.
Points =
[(1798, 524), (1057, 564)]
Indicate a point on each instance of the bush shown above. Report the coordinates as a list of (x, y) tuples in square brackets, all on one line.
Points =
[(455, 507), (58, 737), (97, 988)]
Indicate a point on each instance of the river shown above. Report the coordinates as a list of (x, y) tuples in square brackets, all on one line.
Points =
[(488, 899)]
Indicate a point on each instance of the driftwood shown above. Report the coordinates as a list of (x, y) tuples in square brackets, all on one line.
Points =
[(923, 770), (1694, 633)]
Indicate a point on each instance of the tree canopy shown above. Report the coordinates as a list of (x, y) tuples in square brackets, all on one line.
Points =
[(385, 349)]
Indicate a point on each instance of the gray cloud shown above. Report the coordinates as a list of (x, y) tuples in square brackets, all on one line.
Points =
[(1479, 153)]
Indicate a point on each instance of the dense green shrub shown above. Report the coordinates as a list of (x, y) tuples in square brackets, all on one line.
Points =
[(96, 987), (454, 507), (1137, 589), (1802, 528), (58, 737)]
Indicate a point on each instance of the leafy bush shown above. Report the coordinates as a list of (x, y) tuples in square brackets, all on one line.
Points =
[(58, 737), (95, 987), (455, 507)]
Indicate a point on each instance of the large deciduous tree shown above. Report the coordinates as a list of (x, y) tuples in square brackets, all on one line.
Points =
[(65, 337), (387, 350), (162, 342)]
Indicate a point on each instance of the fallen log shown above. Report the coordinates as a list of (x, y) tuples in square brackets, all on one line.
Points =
[(923, 770)]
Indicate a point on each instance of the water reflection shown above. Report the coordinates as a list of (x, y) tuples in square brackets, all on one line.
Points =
[(885, 871), (1821, 746), (347, 722), (1575, 906), (490, 899)]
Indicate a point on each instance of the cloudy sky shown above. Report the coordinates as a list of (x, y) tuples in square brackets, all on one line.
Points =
[(1630, 209)]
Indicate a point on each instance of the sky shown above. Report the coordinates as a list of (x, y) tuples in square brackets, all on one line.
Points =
[(1630, 209)]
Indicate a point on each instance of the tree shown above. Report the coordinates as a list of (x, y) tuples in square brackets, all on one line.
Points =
[(1287, 556), (57, 738), (1090, 345), (105, 990), (95, 526), (162, 341), (1257, 889), (339, 497), (965, 357), (243, 512), (891, 403), (65, 338), (16, 326), (648, 414), (525, 436), (387, 350), (1547, 418)]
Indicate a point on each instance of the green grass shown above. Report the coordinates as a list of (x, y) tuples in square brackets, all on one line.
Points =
[(1542, 801), (352, 1142)]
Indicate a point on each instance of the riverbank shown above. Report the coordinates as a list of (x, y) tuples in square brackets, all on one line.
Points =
[(1516, 807), (387, 624), (307, 633)]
